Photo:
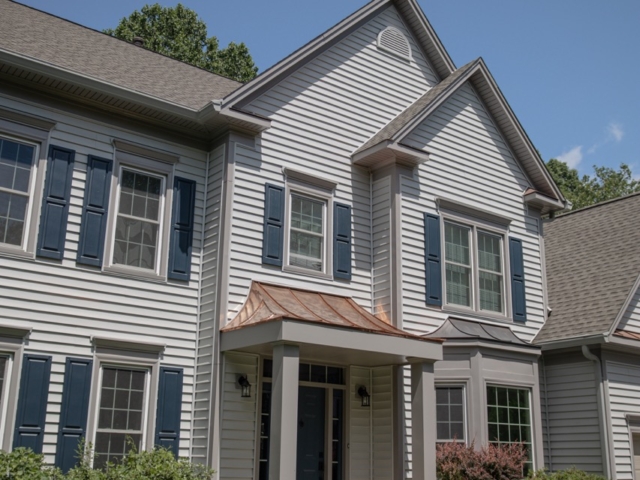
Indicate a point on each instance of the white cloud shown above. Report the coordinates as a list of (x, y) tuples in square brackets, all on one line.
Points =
[(573, 157), (615, 131)]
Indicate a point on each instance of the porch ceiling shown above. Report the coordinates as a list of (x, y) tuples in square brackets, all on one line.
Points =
[(326, 327)]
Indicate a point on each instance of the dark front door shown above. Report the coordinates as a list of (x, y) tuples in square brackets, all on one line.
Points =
[(311, 428)]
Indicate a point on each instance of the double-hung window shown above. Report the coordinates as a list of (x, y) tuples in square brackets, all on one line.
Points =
[(474, 268), (307, 232), (17, 160)]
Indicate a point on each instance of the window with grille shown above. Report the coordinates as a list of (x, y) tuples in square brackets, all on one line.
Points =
[(307, 232), (450, 414)]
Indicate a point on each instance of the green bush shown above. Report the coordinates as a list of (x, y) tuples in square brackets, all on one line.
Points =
[(569, 474), (159, 464)]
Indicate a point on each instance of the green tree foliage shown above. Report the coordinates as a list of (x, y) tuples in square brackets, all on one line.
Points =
[(179, 33), (606, 183)]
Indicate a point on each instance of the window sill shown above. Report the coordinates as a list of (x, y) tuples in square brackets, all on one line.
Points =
[(124, 271), (467, 314), (307, 272), (16, 252)]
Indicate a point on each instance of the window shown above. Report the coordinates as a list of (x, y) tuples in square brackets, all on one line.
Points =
[(138, 221), (509, 416), (474, 268), (307, 228), (137, 239), (121, 415), (16, 189), (450, 414)]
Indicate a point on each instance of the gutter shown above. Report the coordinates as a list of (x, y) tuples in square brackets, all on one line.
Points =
[(602, 413), (592, 339)]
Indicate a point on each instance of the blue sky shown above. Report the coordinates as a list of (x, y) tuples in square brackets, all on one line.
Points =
[(570, 69)]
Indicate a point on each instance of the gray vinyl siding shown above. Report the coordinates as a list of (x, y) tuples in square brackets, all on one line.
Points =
[(321, 114), (631, 318), (470, 163), (382, 422), (624, 399), (381, 226), (573, 435), (360, 459), (206, 348), (239, 418), (67, 304)]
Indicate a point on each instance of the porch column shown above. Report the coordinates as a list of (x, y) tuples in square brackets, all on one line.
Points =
[(284, 411), (423, 421)]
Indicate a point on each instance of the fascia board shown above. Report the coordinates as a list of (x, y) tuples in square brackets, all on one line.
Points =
[(623, 310), (525, 349), (65, 75), (301, 56), (543, 199), (571, 342), (515, 123)]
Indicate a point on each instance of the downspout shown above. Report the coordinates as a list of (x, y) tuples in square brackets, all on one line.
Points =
[(195, 358), (602, 415), (546, 414)]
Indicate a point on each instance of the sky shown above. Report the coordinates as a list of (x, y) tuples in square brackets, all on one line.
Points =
[(570, 69)]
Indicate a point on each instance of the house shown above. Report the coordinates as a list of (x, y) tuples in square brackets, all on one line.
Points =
[(342, 258), (590, 364)]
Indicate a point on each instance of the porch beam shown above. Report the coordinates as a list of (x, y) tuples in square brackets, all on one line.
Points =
[(284, 411), (423, 421)]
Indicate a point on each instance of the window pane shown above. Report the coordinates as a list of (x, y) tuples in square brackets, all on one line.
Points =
[(489, 252), (490, 292), (449, 413), (456, 240), (16, 160), (306, 214), (458, 285), (306, 239)]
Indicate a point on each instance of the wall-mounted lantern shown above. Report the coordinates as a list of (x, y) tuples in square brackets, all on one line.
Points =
[(366, 398), (245, 386)]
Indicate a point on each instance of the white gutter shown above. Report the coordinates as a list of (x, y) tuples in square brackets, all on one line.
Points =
[(602, 414)]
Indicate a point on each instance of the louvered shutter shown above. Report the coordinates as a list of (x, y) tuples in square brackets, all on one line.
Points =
[(94, 211), (433, 255), (169, 407), (55, 204), (342, 241), (273, 237), (32, 402), (518, 297), (182, 219), (73, 412)]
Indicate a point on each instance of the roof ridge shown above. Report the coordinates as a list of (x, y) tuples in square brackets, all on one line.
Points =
[(122, 40), (596, 205)]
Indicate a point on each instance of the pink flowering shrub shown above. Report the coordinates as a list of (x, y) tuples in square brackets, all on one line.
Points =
[(457, 461)]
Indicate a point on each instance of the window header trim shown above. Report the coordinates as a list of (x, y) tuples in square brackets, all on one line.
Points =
[(143, 151), (310, 179), (446, 205)]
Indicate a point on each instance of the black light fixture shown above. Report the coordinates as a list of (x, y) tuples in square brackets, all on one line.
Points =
[(245, 385), (366, 398)]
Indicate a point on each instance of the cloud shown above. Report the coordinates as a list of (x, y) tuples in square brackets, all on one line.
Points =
[(573, 157), (615, 131)]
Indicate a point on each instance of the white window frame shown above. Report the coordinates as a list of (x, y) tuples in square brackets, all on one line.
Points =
[(146, 166), (465, 413), (34, 131), (319, 194), (475, 226), (129, 355)]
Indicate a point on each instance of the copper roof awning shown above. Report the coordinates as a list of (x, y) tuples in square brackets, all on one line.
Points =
[(325, 326)]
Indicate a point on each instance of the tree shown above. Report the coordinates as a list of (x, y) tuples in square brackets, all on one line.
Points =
[(606, 184), (179, 33)]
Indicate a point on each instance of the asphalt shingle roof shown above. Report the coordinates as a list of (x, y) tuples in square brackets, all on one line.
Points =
[(592, 260), (52, 40)]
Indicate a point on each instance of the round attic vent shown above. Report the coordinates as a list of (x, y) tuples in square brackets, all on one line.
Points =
[(393, 41)]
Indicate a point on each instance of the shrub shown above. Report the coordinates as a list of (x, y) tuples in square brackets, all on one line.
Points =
[(569, 474), (22, 463), (457, 461)]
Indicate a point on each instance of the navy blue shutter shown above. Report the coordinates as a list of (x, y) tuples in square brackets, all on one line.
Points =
[(32, 402), (73, 413), (433, 256), (517, 280), (341, 241), (273, 238), (94, 212), (184, 199), (169, 407), (55, 204)]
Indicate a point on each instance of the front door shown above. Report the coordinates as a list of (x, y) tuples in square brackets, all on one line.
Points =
[(311, 430)]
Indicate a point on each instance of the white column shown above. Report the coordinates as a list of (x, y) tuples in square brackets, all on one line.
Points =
[(284, 412), (423, 421)]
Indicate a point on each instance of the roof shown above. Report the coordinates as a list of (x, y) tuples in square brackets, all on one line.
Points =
[(269, 303), (53, 41), (477, 73), (459, 329), (592, 263)]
